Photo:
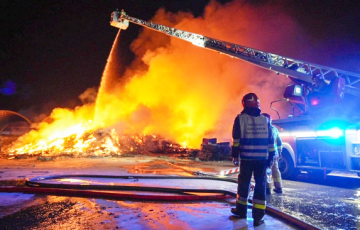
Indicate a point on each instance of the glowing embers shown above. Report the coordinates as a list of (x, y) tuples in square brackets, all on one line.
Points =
[(84, 143), (99, 143)]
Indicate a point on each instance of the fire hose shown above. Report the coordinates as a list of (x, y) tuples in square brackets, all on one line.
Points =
[(36, 185), (184, 194)]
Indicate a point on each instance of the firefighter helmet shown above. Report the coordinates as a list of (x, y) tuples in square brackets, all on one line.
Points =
[(251, 100)]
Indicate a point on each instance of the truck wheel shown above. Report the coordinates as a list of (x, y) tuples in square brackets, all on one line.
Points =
[(286, 165)]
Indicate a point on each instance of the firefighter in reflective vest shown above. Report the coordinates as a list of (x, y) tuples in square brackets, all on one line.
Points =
[(254, 143), (276, 175)]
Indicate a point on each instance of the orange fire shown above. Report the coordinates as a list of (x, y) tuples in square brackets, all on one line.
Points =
[(172, 89)]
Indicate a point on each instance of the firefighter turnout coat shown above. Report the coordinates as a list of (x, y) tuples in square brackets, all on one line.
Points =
[(252, 136)]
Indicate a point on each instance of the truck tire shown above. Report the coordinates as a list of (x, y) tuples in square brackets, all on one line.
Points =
[(286, 165)]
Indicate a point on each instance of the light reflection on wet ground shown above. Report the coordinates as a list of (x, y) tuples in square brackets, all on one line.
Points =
[(190, 215), (317, 203), (320, 205), (168, 183), (83, 213)]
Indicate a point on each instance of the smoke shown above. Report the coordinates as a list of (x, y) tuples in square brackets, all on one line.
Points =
[(89, 96), (180, 91), (185, 92)]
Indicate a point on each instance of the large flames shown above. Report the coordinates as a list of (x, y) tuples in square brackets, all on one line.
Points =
[(172, 89)]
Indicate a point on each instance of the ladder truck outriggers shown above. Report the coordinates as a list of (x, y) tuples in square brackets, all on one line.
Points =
[(323, 132)]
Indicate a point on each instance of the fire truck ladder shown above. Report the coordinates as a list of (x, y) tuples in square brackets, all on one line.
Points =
[(294, 68)]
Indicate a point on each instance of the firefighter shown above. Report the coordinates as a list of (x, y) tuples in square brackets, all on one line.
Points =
[(319, 86), (276, 175), (254, 143)]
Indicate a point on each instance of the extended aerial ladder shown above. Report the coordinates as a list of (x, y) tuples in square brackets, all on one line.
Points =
[(293, 68), (314, 129)]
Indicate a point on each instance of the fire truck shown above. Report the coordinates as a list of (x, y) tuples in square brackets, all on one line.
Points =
[(322, 134)]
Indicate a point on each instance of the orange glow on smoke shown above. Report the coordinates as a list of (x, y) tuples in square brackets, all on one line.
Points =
[(173, 89)]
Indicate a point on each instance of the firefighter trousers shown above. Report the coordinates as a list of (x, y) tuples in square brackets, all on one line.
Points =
[(247, 167), (276, 175)]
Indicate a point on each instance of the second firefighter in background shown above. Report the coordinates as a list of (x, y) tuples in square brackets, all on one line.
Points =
[(276, 175), (253, 141)]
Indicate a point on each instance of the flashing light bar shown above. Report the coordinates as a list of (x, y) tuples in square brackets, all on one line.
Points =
[(333, 133)]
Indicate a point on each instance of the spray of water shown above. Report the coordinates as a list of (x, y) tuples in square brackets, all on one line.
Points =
[(107, 80)]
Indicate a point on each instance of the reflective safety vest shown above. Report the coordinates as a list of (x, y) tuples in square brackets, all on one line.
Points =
[(254, 137), (278, 141)]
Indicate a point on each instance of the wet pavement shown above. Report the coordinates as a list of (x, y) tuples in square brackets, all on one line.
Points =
[(322, 205), (55, 212), (317, 203)]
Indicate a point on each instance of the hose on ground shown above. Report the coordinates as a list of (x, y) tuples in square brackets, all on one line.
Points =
[(185, 194), (36, 182), (36, 185)]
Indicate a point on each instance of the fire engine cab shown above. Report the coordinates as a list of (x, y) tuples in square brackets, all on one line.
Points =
[(323, 132)]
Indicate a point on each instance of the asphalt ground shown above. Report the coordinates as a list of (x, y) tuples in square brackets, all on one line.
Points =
[(327, 204), (29, 211)]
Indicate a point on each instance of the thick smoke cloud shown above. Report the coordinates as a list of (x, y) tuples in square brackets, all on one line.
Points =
[(180, 91), (178, 82)]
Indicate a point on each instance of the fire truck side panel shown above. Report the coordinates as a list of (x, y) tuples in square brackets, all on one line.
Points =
[(315, 153), (352, 148), (321, 153)]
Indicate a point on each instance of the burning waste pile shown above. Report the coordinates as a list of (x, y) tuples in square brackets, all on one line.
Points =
[(166, 101), (99, 143)]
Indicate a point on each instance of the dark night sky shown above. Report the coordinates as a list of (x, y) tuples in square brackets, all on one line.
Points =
[(55, 50)]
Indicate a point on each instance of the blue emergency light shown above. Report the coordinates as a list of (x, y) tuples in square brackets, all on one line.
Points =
[(333, 133)]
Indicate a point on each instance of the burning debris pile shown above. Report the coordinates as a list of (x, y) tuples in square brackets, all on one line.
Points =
[(155, 95), (98, 143)]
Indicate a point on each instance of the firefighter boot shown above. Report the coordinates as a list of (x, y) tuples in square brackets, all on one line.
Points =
[(239, 211), (278, 190), (259, 222), (268, 191)]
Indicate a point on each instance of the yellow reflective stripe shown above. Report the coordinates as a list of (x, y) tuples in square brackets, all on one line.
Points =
[(277, 179), (236, 144), (271, 149), (259, 206), (242, 202)]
